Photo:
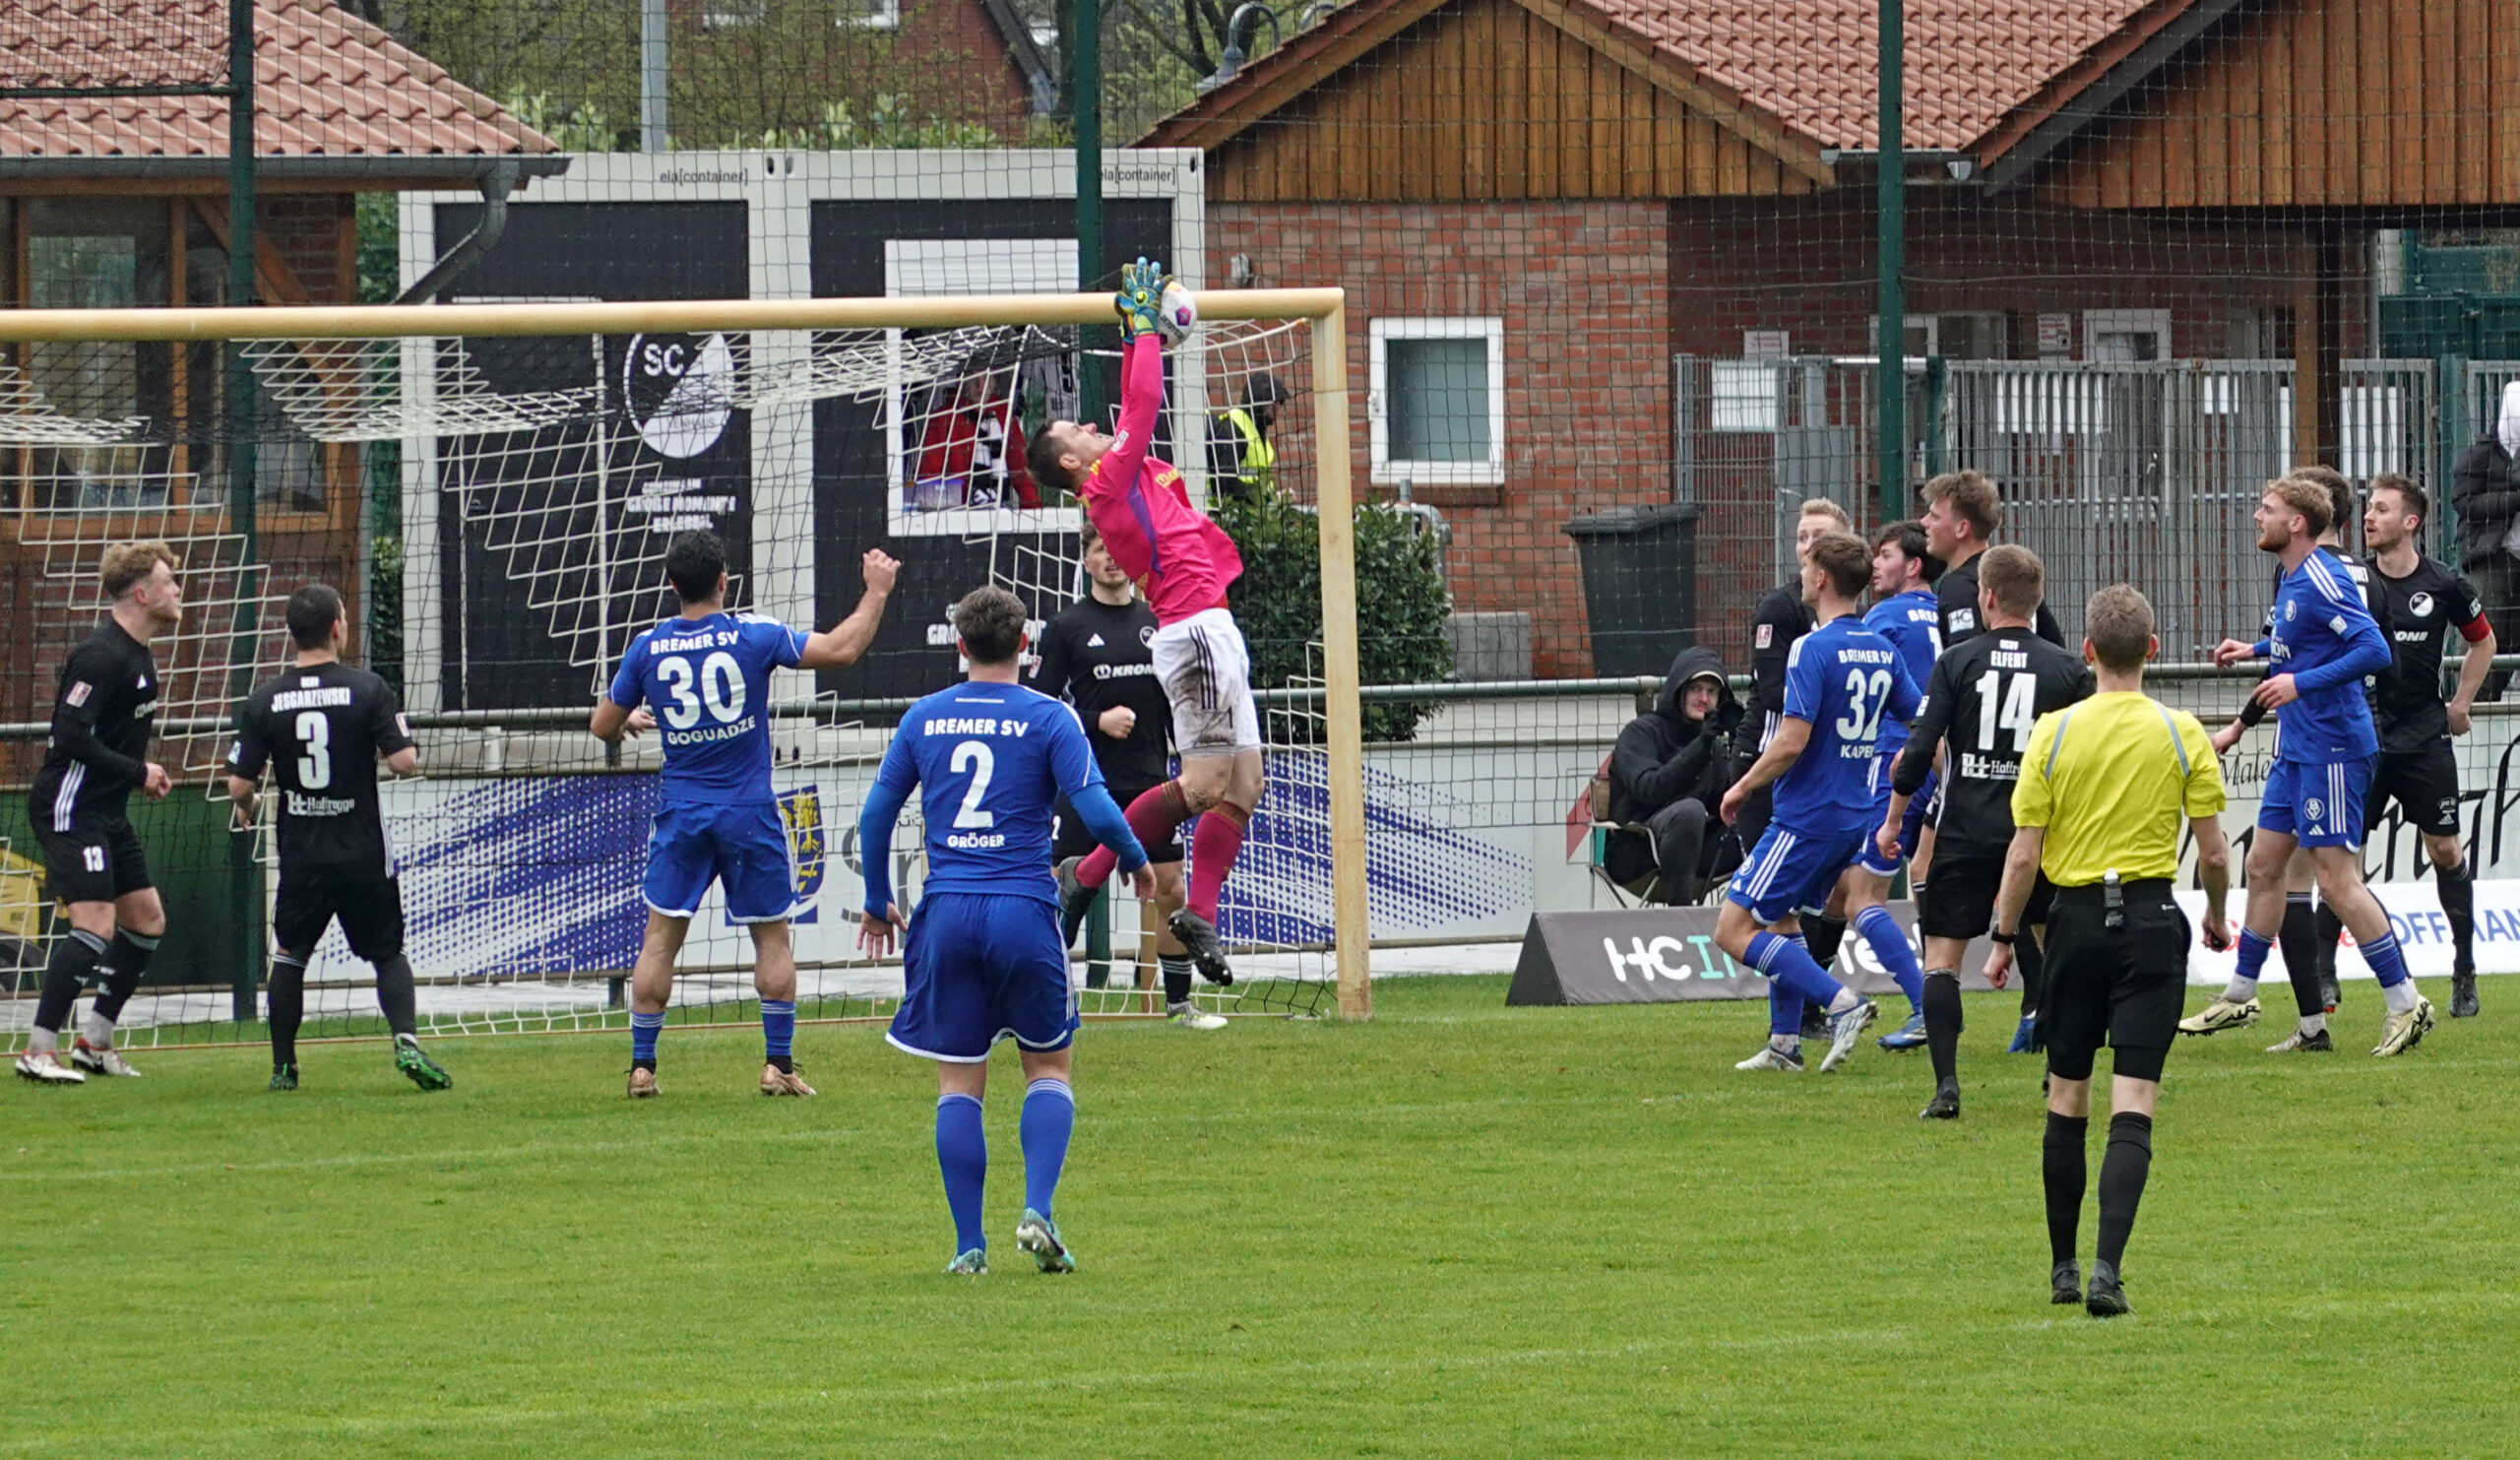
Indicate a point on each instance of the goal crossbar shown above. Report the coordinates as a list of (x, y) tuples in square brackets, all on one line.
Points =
[(632, 317), (1325, 310)]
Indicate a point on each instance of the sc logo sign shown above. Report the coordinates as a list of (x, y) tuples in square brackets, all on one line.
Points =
[(1656, 958)]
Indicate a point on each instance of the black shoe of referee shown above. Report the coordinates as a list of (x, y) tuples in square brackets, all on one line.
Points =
[(2105, 1299), (1945, 1105), (1815, 1021), (2065, 1283), (2463, 996), (1075, 901)]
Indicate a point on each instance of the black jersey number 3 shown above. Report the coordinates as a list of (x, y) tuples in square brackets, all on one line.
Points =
[(315, 736)]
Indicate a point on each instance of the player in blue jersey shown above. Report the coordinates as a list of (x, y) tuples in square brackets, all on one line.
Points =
[(702, 677), (1840, 683), (2321, 644), (1906, 612), (984, 959)]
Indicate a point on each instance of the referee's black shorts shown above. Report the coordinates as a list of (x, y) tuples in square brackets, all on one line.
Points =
[(2424, 783), (1069, 838), (2123, 986), (1958, 896), (368, 904)]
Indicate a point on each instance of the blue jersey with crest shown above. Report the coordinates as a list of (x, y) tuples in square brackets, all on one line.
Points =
[(989, 760), (707, 681), (1913, 623), (1848, 683), (2323, 636)]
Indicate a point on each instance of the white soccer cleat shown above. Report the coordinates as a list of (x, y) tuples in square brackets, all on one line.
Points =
[(101, 1059), (2221, 1014), (2400, 1033), (1770, 1058), (1186, 1015), (1844, 1030), (48, 1068)]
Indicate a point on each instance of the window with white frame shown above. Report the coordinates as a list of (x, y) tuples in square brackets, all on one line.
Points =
[(1745, 396), (872, 14), (1437, 401)]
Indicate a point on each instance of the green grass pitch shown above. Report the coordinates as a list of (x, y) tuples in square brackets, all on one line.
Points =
[(1458, 1229)]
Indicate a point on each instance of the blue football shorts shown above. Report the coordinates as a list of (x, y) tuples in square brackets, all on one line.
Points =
[(2317, 803), (978, 968), (743, 847), (1869, 856), (1792, 873)]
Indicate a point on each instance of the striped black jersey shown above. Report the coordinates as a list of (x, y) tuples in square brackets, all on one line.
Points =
[(101, 714)]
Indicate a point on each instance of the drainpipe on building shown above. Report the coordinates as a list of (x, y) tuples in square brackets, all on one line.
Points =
[(495, 187)]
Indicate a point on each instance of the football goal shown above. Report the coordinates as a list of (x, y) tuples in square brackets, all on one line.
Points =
[(493, 487)]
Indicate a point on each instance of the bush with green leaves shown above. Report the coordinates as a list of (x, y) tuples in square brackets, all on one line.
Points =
[(1401, 602)]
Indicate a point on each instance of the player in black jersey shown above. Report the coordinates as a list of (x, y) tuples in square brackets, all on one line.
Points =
[(1099, 655), (1980, 702), (321, 727), (93, 860), (2309, 969), (2418, 602)]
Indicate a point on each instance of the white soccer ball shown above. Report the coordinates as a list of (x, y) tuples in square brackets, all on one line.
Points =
[(1177, 313)]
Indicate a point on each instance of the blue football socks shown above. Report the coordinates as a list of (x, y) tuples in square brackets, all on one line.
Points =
[(778, 1028), (2254, 947), (1049, 1118), (962, 1154), (644, 1028), (1880, 932), (1785, 962)]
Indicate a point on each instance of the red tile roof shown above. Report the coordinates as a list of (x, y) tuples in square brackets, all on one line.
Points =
[(1810, 64), (1813, 63), (325, 83)]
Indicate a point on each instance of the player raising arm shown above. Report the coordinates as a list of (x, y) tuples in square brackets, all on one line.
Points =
[(1843, 679), (1183, 564), (2322, 643), (706, 673), (983, 960), (329, 723)]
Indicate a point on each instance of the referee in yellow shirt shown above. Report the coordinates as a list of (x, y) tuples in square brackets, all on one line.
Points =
[(2104, 787)]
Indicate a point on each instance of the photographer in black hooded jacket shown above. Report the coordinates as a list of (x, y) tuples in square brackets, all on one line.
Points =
[(1667, 773)]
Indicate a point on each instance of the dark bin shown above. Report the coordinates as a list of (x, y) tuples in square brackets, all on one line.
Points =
[(1640, 585)]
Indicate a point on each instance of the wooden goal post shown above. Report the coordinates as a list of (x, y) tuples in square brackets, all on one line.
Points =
[(1324, 309)]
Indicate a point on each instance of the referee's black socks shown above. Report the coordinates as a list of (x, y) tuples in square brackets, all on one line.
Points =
[(2122, 1169), (2062, 1171), (1942, 1023)]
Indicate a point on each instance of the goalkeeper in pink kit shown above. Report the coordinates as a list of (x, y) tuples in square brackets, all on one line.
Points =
[(1183, 564)]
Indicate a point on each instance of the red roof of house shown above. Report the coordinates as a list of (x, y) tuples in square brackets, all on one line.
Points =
[(325, 83), (1810, 64)]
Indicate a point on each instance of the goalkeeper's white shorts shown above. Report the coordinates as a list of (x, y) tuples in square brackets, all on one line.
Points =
[(1205, 672)]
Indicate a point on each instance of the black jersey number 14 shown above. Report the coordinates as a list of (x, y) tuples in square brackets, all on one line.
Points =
[(2005, 703)]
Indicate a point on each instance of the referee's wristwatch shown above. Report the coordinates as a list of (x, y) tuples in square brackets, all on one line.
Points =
[(2000, 939)]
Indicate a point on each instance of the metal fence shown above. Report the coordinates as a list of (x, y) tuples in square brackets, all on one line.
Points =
[(2141, 471)]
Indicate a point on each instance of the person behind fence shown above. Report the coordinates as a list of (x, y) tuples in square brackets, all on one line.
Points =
[(2106, 786), (1667, 773), (1241, 463), (2484, 489)]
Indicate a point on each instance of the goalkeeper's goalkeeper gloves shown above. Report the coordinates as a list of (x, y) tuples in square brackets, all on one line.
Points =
[(1140, 299)]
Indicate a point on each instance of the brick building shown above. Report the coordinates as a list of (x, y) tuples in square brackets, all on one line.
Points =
[(123, 201), (1586, 196)]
